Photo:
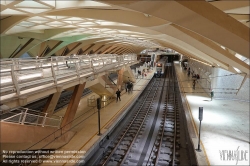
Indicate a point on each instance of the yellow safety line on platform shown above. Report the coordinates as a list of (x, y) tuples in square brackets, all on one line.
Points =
[(193, 123)]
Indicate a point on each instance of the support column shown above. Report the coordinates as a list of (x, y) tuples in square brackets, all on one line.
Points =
[(128, 75), (72, 107), (120, 78), (108, 82), (52, 101)]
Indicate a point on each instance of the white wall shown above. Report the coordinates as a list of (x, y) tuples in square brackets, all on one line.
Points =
[(223, 82)]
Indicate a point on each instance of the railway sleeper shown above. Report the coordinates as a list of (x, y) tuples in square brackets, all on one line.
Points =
[(177, 147), (135, 127), (133, 150), (168, 134), (169, 122), (125, 142), (170, 112), (163, 163), (133, 131), (170, 108), (171, 130), (169, 127), (161, 128), (128, 138), (139, 136), (142, 131), (122, 147)]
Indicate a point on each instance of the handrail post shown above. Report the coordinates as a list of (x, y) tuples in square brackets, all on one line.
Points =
[(77, 70), (92, 66), (24, 116), (14, 80), (19, 121), (41, 68), (44, 119), (57, 63), (59, 124), (103, 63), (53, 73)]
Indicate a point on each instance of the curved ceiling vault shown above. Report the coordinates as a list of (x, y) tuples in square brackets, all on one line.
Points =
[(216, 32)]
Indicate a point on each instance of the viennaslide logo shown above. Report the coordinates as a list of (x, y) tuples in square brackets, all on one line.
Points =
[(234, 155)]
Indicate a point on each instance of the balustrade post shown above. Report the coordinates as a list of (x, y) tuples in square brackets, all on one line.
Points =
[(44, 119), (41, 67), (37, 63), (92, 66), (59, 124), (14, 80), (57, 68), (53, 73), (77, 70), (103, 63), (37, 120), (19, 121), (24, 116)]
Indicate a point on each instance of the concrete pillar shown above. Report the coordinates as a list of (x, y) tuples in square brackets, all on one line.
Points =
[(52, 102), (72, 107)]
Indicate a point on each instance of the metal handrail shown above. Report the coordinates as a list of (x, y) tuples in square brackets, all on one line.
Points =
[(19, 72), (36, 119)]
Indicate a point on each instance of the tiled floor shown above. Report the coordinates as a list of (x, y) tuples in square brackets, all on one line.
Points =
[(225, 125)]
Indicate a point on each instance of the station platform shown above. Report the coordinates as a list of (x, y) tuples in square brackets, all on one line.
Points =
[(85, 124), (224, 128)]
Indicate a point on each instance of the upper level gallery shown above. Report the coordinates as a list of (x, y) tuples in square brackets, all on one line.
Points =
[(25, 77)]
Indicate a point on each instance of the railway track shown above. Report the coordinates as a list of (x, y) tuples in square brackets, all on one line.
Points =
[(126, 143), (167, 142), (153, 132)]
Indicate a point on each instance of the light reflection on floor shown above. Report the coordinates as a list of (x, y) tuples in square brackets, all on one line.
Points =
[(224, 128)]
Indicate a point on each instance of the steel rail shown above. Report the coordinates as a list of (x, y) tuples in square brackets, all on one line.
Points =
[(125, 156), (164, 121), (175, 120), (160, 132)]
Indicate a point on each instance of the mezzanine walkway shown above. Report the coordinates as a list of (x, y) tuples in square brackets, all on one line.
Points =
[(27, 80)]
